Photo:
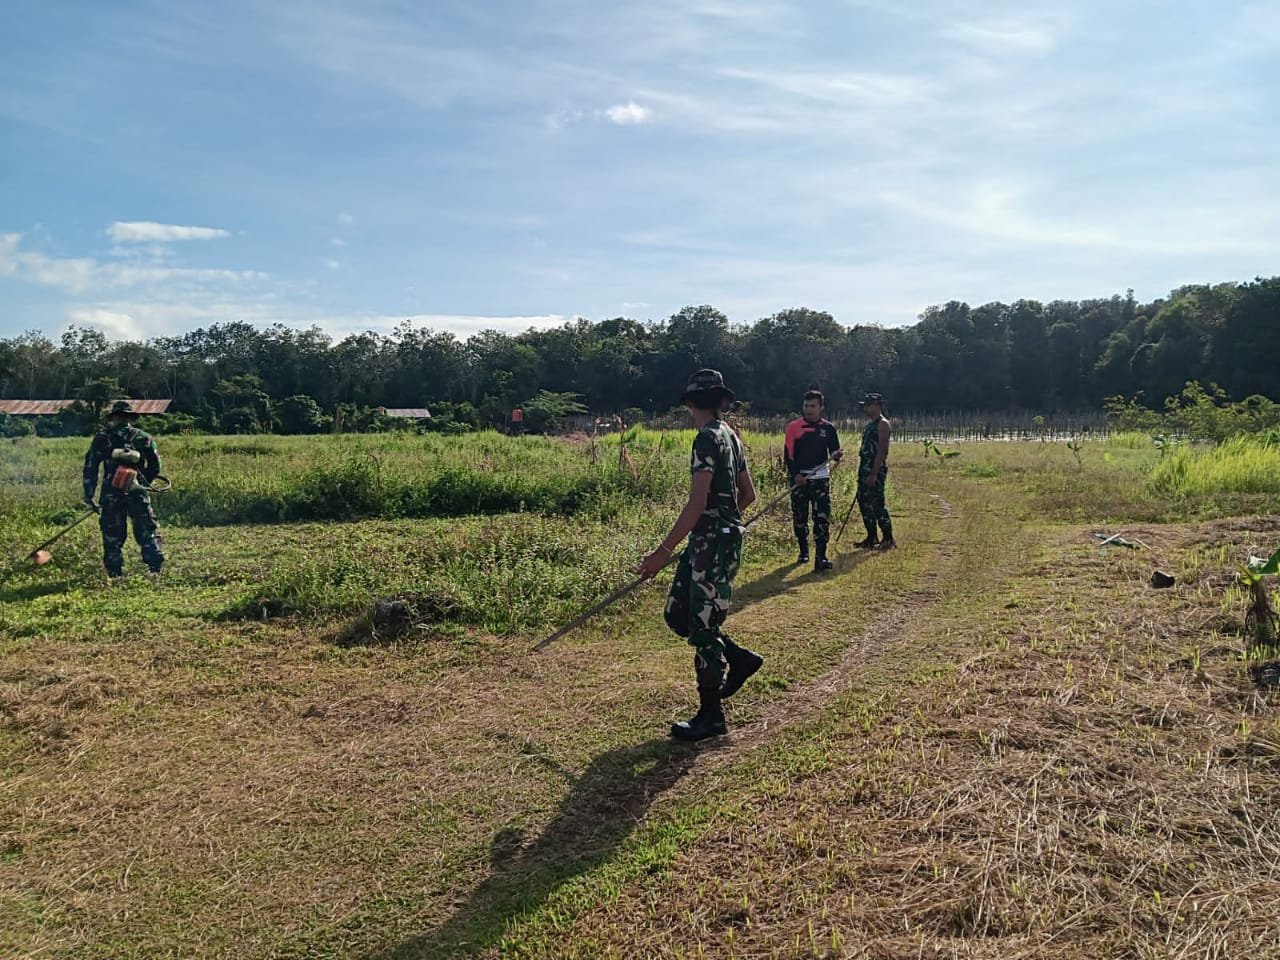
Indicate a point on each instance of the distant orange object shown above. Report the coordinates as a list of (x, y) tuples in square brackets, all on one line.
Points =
[(42, 557)]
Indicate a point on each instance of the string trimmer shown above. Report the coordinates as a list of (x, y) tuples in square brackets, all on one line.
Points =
[(640, 581), (41, 555)]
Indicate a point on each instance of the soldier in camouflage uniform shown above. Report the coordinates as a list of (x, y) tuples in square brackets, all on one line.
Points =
[(873, 470), (122, 446), (703, 585), (811, 445)]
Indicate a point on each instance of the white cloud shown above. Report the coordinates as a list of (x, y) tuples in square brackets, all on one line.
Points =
[(139, 319), (8, 253), (346, 219), (841, 86), (85, 274), (337, 242), (143, 252), (116, 324), (331, 263), (628, 113), (146, 231), (1008, 36), (81, 274)]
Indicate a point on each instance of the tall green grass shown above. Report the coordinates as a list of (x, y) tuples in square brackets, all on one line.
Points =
[(1130, 440), (498, 533), (499, 574), (220, 481), (1239, 466)]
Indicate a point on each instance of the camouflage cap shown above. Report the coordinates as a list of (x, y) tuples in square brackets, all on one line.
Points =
[(123, 407), (872, 399), (705, 382)]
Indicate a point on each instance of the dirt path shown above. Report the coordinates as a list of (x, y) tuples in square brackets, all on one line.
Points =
[(903, 620)]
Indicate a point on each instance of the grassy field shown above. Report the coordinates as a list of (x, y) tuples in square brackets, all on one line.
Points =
[(997, 741)]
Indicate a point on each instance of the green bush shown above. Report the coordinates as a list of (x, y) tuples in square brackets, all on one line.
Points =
[(1198, 413), (15, 426)]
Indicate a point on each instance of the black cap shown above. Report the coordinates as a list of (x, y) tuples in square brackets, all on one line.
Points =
[(123, 407), (872, 398), (704, 383)]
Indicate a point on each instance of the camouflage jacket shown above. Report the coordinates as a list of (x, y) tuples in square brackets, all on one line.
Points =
[(870, 446), (718, 450), (125, 436)]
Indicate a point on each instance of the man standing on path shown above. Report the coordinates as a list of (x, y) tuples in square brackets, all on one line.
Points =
[(129, 462), (698, 602), (810, 442), (873, 469)]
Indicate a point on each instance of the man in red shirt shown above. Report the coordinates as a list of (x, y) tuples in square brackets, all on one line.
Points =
[(811, 441)]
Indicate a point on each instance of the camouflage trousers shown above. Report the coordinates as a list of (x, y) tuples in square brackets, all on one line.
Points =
[(815, 493), (703, 586), (871, 503), (116, 513)]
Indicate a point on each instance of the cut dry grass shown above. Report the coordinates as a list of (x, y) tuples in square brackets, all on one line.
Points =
[(1096, 778), (251, 789), (995, 742)]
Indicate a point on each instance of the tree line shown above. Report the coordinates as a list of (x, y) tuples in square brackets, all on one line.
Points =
[(1065, 355)]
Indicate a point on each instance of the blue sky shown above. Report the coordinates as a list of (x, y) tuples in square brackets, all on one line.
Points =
[(167, 165)]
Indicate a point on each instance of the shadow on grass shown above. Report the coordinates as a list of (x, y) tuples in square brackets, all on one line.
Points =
[(777, 584), (33, 591), (599, 812)]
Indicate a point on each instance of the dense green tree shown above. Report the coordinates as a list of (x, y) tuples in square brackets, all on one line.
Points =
[(300, 414), (1057, 356), (96, 394), (1029, 355)]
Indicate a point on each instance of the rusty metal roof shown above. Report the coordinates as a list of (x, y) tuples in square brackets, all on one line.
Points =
[(32, 407), (413, 413), (36, 408), (150, 406)]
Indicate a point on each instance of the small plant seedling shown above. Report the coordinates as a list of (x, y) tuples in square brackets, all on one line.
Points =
[(1261, 622), (1077, 449), (1164, 443), (931, 447)]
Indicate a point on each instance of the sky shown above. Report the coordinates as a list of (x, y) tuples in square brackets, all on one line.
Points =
[(469, 165)]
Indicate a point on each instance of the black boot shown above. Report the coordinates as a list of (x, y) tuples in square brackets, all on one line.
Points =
[(804, 552), (742, 664), (871, 541), (709, 720), (821, 563)]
